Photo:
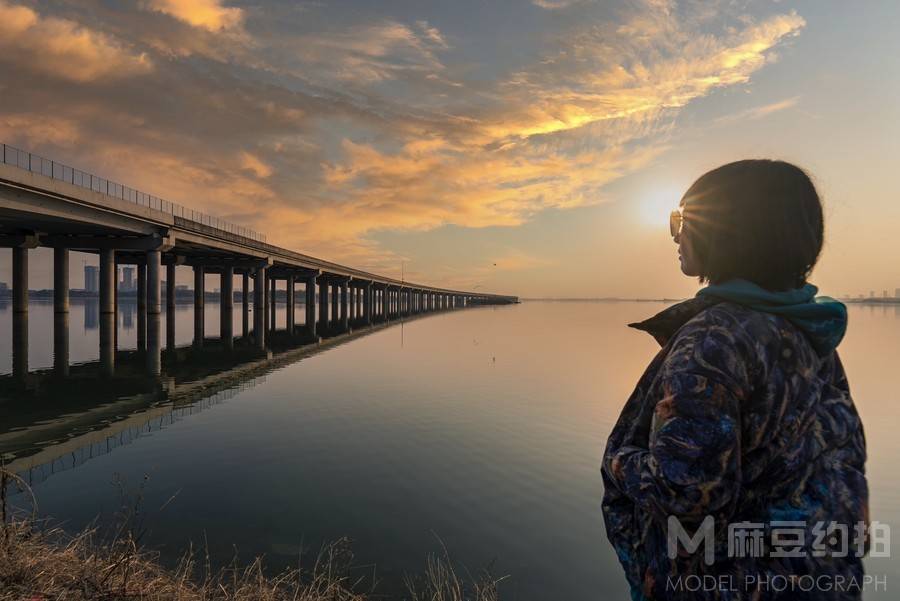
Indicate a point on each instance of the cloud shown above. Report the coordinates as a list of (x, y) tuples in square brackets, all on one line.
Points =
[(367, 53), (759, 112), (63, 48), (553, 4), (639, 68), (205, 14), (322, 134), (253, 164)]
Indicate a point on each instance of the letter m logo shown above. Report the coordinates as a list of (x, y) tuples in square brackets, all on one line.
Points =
[(705, 534)]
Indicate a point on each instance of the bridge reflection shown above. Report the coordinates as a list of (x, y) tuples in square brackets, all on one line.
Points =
[(59, 418)]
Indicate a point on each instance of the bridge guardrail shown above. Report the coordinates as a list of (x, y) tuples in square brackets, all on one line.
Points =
[(189, 218)]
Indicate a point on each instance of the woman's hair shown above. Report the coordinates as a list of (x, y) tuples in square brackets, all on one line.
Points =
[(759, 220)]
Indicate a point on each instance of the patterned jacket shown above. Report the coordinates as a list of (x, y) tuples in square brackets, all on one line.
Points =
[(738, 418)]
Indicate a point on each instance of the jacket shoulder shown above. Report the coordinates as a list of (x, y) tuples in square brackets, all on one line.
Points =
[(727, 340)]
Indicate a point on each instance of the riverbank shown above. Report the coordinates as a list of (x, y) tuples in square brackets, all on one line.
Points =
[(39, 562)]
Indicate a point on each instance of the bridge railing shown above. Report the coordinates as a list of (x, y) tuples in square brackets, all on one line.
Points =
[(187, 218)]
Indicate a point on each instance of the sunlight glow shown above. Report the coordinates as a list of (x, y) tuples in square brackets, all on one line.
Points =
[(655, 206)]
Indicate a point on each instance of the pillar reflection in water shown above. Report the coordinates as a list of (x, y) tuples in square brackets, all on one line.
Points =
[(128, 311), (91, 310), (61, 343)]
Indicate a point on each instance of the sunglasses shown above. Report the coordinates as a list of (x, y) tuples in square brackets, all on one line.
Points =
[(676, 222)]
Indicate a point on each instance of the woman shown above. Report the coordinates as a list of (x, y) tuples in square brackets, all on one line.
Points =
[(742, 432)]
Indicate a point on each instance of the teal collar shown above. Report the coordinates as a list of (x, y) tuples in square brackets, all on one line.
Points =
[(822, 318)]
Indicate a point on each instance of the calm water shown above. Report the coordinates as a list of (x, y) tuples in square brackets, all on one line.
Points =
[(479, 429)]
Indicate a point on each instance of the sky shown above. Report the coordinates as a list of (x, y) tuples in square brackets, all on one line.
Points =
[(522, 147)]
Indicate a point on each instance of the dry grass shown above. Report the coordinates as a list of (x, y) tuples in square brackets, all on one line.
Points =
[(41, 562)]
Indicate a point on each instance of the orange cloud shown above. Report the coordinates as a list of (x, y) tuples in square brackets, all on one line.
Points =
[(63, 48), (253, 164), (322, 140), (205, 14)]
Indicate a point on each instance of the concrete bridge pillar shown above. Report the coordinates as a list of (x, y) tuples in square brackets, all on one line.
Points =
[(153, 292), (107, 342), (345, 308), (107, 283), (170, 305), (20, 279), (273, 288), (310, 299), (259, 307), (141, 327), (367, 301), (290, 304), (199, 304), (60, 280), (141, 288), (323, 301), (20, 345), (170, 291), (335, 297), (154, 350), (245, 303), (61, 343), (226, 303)]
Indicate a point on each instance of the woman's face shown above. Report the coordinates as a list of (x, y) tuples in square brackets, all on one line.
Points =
[(686, 248)]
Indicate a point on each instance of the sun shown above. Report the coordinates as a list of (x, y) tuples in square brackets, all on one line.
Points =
[(655, 206)]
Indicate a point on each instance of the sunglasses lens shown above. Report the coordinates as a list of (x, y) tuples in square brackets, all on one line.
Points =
[(674, 223)]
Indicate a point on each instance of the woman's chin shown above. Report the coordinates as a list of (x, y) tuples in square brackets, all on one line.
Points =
[(687, 269)]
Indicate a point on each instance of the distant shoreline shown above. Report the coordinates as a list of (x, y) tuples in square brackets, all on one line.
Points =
[(603, 300), (891, 301)]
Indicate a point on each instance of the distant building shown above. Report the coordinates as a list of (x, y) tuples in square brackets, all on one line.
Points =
[(4, 288), (91, 278), (897, 293), (127, 279), (871, 294), (884, 293)]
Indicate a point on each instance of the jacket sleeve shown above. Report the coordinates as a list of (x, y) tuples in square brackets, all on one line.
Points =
[(693, 464)]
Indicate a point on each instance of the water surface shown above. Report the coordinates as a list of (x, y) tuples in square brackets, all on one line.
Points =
[(480, 430)]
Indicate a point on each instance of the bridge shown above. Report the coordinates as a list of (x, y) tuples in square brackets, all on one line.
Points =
[(49, 204)]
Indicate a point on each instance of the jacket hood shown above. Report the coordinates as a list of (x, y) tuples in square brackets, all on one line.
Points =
[(822, 318)]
